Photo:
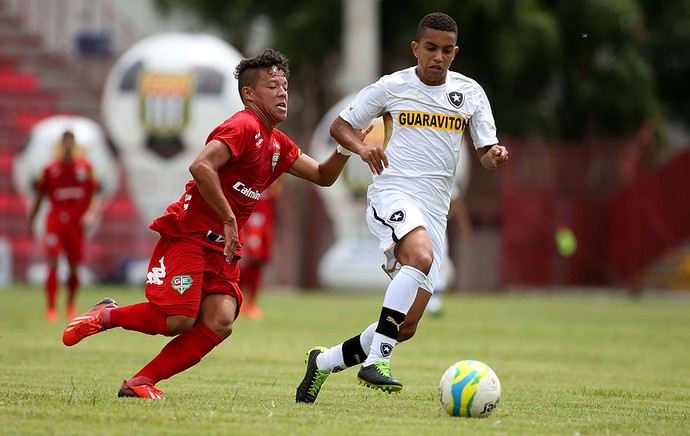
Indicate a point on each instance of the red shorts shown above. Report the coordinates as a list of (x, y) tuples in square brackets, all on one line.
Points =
[(182, 272), (67, 237)]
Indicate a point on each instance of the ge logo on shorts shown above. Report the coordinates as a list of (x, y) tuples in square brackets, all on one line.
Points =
[(397, 217), (181, 283)]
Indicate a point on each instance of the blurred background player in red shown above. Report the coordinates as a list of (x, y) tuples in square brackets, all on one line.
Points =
[(459, 215), (258, 249), (70, 185)]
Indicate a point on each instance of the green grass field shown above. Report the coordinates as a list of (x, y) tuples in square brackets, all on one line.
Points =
[(568, 364)]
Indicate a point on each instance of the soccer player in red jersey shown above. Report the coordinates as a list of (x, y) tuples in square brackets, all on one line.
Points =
[(72, 190), (192, 286)]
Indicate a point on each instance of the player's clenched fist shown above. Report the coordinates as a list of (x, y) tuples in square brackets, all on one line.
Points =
[(493, 157)]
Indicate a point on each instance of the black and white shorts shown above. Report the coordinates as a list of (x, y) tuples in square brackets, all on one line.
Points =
[(392, 215)]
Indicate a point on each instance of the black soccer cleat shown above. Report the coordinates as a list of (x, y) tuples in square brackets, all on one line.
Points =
[(309, 388), (378, 376)]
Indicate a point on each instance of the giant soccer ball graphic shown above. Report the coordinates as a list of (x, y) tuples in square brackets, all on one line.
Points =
[(161, 99)]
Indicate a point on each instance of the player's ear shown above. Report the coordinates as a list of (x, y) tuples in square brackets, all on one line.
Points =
[(247, 93), (414, 46)]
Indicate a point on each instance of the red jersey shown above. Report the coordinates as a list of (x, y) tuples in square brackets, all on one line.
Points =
[(69, 185), (259, 156)]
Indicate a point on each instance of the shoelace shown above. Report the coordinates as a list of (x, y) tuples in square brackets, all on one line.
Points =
[(318, 380), (383, 368)]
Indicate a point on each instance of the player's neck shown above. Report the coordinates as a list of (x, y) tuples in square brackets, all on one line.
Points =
[(262, 117)]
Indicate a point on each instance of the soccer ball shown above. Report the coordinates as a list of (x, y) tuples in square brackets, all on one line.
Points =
[(469, 388)]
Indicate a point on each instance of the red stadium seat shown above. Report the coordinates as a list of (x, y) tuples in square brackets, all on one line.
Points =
[(18, 82)]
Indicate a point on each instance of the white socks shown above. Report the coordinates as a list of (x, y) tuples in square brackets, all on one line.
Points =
[(379, 339), (400, 295), (333, 359), (402, 290)]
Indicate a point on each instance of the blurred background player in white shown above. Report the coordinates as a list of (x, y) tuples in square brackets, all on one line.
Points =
[(459, 215), (72, 191), (409, 197)]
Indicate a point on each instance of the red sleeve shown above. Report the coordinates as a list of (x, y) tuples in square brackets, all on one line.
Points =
[(233, 133)]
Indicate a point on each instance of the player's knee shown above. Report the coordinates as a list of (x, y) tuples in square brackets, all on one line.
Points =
[(419, 257), (178, 324), (415, 249), (222, 327), (421, 260)]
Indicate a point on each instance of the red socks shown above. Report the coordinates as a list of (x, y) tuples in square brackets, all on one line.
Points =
[(142, 317), (181, 353), (72, 286), (51, 287)]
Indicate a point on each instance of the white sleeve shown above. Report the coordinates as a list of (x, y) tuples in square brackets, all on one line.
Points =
[(482, 124), (370, 103), (454, 191)]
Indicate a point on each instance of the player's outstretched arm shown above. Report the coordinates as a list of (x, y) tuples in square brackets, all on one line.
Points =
[(326, 172), (493, 157), (322, 174), (372, 155), (40, 195)]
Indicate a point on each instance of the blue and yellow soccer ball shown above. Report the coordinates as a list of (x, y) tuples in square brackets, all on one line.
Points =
[(469, 388)]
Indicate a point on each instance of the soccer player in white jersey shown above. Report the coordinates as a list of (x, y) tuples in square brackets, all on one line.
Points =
[(408, 200)]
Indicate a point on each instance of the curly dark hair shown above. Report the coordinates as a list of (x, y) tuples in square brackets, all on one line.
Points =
[(438, 21), (246, 70)]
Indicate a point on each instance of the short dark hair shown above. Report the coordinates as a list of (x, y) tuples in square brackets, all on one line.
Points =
[(245, 72), (438, 21)]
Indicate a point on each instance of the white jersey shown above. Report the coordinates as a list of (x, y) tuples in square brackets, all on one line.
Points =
[(426, 140)]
